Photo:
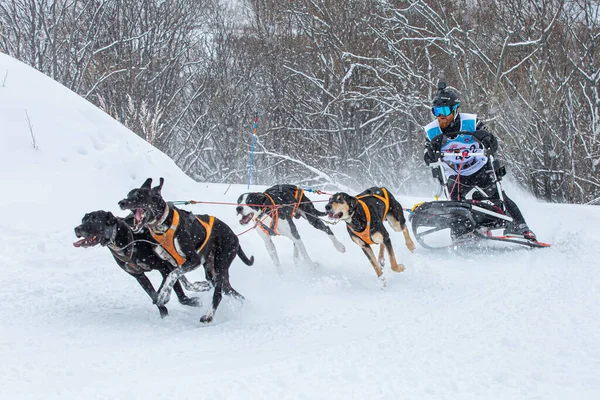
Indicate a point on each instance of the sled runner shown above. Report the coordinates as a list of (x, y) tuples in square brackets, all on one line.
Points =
[(468, 222)]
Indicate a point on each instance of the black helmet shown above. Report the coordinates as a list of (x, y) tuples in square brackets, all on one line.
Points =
[(444, 97), (445, 101)]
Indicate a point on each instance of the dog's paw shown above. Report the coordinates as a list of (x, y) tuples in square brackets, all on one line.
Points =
[(163, 311), (340, 247), (200, 286), (316, 265), (383, 282), (233, 293), (398, 268), (190, 301), (205, 319)]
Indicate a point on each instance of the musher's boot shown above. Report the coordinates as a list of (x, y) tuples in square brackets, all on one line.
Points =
[(461, 238), (520, 230)]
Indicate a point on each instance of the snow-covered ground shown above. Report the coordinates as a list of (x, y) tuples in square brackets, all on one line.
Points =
[(523, 324)]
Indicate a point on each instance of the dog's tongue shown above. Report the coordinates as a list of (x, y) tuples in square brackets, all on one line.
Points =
[(138, 215), (333, 216), (245, 219), (79, 242)]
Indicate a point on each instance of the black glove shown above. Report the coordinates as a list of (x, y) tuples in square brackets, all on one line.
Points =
[(430, 154), (487, 140)]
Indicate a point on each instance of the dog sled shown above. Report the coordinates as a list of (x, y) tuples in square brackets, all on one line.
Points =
[(469, 222)]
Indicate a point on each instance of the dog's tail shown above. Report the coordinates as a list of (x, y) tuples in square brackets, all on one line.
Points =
[(242, 255)]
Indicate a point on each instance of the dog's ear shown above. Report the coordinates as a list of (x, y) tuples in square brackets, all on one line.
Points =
[(159, 187), (352, 203), (111, 219), (261, 198), (147, 184)]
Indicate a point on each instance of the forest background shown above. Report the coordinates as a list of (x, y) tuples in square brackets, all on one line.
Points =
[(341, 88)]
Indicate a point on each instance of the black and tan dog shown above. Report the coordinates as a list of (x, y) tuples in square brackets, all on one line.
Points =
[(364, 215), (133, 252), (274, 211), (188, 241)]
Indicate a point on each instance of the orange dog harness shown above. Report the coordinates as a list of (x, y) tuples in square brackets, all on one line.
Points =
[(167, 239), (297, 197), (272, 228), (365, 234)]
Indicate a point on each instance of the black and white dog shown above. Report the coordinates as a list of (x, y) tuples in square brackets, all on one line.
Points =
[(273, 212), (188, 241), (133, 252), (364, 215)]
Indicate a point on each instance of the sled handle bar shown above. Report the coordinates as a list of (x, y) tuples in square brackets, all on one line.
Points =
[(442, 175), (463, 153)]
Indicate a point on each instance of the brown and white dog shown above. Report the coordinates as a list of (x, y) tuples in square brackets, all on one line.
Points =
[(274, 210), (364, 215)]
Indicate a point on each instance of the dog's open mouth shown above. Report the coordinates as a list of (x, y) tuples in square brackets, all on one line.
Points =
[(87, 242), (138, 218), (335, 216), (246, 218)]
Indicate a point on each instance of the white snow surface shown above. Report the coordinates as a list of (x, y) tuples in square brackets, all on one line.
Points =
[(521, 324)]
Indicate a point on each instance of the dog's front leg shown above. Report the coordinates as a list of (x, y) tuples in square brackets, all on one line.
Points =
[(290, 230), (371, 256), (183, 243), (271, 249), (299, 244), (164, 293), (399, 226), (319, 224), (181, 296), (381, 258), (296, 254), (337, 244), (395, 266), (217, 296), (408, 240), (149, 289)]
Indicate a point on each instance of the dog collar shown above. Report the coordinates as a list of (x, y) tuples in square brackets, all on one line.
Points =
[(120, 252), (164, 216), (155, 226), (114, 234)]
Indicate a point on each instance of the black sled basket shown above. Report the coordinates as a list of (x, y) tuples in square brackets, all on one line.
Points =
[(436, 221)]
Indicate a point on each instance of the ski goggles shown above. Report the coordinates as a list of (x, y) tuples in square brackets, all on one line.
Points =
[(444, 111)]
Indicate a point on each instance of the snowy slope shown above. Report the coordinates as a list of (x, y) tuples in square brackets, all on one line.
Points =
[(522, 324)]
